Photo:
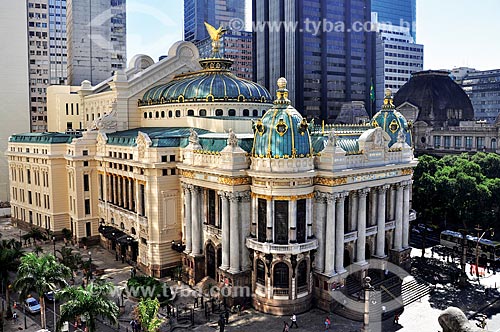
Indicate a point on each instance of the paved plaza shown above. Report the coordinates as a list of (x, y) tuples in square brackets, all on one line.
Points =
[(418, 317)]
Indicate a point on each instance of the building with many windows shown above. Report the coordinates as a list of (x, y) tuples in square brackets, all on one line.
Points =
[(96, 39), (324, 70), (402, 13), (483, 89), (184, 162), (397, 58), (442, 116)]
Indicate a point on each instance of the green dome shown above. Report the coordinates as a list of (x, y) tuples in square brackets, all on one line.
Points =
[(391, 121), (214, 83), (282, 132)]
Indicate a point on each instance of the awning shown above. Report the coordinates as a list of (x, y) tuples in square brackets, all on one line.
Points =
[(110, 232)]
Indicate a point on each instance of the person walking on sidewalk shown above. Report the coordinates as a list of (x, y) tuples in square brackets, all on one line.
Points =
[(327, 323), (294, 321), (285, 327)]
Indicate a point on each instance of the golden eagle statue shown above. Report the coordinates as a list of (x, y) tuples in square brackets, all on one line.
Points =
[(215, 35)]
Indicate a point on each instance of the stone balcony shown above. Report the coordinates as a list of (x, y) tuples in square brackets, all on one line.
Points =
[(271, 248)]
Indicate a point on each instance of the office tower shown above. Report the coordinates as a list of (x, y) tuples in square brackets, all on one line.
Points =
[(323, 69), (215, 12), (96, 39), (14, 86), (397, 12), (483, 89), (397, 58), (235, 45), (47, 54)]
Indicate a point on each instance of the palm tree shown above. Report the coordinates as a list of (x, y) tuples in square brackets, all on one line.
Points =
[(40, 275), (91, 301), (10, 252)]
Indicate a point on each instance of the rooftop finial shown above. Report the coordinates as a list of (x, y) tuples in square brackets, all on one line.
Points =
[(282, 92), (215, 35), (388, 101)]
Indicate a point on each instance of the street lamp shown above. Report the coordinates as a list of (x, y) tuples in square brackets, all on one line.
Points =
[(54, 243), (366, 316), (90, 267)]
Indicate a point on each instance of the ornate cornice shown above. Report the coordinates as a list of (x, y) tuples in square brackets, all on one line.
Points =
[(284, 198), (330, 181), (233, 181)]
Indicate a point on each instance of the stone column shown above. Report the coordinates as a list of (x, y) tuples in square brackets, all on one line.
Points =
[(309, 218), (253, 226), (373, 208), (115, 189), (319, 221), (187, 216), (398, 231), (292, 220), (269, 219), (361, 242), (381, 221), (406, 213), (391, 202), (339, 233), (195, 215), (120, 191), (245, 209), (125, 193), (330, 256), (234, 240), (130, 197), (225, 230), (108, 188), (353, 213)]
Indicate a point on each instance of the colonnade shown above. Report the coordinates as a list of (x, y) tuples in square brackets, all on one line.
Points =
[(385, 203)]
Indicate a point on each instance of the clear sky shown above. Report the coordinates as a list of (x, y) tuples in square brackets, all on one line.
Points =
[(455, 33)]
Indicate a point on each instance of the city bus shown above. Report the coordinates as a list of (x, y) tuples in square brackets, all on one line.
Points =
[(488, 250)]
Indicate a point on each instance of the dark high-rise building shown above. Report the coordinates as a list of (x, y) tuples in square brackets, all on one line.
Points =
[(215, 12), (324, 68), (397, 12)]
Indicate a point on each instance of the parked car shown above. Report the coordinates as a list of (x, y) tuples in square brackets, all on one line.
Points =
[(32, 305), (50, 296), (427, 228)]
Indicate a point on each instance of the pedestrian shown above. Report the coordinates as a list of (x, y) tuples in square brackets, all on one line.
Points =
[(14, 317), (294, 321), (15, 305), (327, 323), (133, 325), (226, 316), (123, 258), (285, 327), (221, 324), (396, 318)]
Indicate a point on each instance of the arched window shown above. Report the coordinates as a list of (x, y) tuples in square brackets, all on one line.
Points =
[(219, 112), (255, 113), (261, 272), (162, 114), (203, 113), (261, 220), (122, 226), (246, 112), (493, 144), (231, 112), (177, 113), (169, 114), (145, 115), (157, 114), (302, 274), (280, 275), (190, 113), (132, 231), (150, 115), (301, 220)]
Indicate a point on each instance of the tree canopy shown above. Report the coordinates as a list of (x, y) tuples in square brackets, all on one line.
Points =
[(458, 191)]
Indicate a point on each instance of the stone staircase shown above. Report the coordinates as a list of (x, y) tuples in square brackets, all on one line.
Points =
[(414, 290)]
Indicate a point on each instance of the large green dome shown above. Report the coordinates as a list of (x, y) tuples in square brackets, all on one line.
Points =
[(392, 122), (214, 83), (282, 132)]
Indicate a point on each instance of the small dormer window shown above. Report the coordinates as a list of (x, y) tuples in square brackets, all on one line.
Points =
[(394, 126), (281, 127)]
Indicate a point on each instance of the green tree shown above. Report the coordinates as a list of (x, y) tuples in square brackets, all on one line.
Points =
[(10, 253), (93, 301), (69, 259), (147, 314), (40, 275)]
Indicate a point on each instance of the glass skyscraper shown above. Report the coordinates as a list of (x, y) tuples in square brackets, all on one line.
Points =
[(324, 70), (397, 12), (215, 12)]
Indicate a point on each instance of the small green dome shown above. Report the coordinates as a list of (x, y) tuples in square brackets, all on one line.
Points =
[(391, 121), (282, 132), (214, 83)]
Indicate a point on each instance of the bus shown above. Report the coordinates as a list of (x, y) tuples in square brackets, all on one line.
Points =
[(488, 250)]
